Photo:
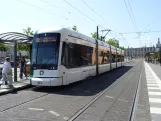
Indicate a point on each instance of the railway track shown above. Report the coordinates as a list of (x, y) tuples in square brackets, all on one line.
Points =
[(135, 101), (132, 116)]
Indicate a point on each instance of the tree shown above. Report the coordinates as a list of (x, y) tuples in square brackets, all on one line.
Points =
[(3, 47), (25, 47), (28, 31), (75, 28), (122, 48), (112, 42), (156, 55), (94, 35)]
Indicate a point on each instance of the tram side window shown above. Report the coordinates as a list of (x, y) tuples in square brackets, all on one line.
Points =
[(113, 58), (75, 55), (103, 57), (122, 58), (118, 58)]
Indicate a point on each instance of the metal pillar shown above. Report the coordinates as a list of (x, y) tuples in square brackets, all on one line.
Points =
[(15, 61), (30, 54), (116, 57), (19, 56), (121, 57), (110, 59), (160, 54), (97, 71)]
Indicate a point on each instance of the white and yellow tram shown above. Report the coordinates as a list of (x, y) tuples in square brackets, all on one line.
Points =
[(61, 56)]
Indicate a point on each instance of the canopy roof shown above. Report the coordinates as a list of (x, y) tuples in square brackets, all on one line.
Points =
[(11, 37)]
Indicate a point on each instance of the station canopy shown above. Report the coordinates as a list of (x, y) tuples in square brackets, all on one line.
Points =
[(12, 37)]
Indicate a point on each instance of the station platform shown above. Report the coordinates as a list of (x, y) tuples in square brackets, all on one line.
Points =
[(153, 82), (20, 84)]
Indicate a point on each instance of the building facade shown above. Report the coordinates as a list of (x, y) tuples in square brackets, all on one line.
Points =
[(138, 52), (158, 45)]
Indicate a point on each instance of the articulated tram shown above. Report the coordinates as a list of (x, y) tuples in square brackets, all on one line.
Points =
[(61, 56)]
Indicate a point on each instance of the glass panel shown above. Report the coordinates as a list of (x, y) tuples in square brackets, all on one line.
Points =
[(45, 51), (75, 55)]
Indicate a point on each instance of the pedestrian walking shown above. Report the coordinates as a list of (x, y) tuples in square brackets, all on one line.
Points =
[(23, 68), (6, 72)]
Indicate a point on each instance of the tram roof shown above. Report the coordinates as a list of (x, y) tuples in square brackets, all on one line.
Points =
[(11, 37), (72, 33)]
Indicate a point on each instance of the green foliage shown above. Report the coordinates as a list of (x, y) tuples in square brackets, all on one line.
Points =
[(94, 35), (156, 55), (75, 28), (122, 48), (25, 47), (112, 42), (28, 31), (3, 47)]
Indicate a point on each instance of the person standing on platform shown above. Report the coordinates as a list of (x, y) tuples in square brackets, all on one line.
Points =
[(23, 68), (7, 70)]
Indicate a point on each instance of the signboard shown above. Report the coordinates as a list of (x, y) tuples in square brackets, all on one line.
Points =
[(46, 39)]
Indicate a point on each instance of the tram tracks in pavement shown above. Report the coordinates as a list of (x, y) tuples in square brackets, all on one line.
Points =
[(30, 100), (135, 101), (83, 109), (27, 101)]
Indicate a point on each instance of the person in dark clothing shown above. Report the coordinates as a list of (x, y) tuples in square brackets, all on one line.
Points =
[(23, 68)]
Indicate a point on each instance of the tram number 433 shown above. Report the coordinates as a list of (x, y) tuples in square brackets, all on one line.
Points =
[(39, 82)]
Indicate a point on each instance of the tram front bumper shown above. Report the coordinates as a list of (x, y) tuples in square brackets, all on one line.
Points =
[(46, 81)]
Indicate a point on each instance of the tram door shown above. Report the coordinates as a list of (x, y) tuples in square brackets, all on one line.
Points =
[(84, 60)]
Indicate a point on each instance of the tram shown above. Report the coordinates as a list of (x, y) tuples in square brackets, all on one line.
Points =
[(61, 56)]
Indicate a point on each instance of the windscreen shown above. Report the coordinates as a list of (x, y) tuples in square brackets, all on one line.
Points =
[(45, 51)]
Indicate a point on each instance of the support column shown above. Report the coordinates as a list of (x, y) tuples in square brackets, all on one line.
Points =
[(97, 70), (116, 57), (121, 57), (110, 59), (15, 61)]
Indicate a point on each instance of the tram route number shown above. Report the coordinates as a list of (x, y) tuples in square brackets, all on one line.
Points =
[(39, 82)]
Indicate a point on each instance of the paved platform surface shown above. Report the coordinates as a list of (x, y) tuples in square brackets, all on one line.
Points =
[(153, 77), (142, 112), (20, 84), (156, 68)]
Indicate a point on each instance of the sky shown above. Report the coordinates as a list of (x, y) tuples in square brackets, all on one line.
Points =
[(16, 15)]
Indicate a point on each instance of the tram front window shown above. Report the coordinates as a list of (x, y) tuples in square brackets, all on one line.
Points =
[(45, 51)]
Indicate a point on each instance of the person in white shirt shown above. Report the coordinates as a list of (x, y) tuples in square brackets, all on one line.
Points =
[(6, 69)]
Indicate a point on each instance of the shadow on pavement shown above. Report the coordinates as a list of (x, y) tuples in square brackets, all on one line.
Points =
[(88, 87)]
